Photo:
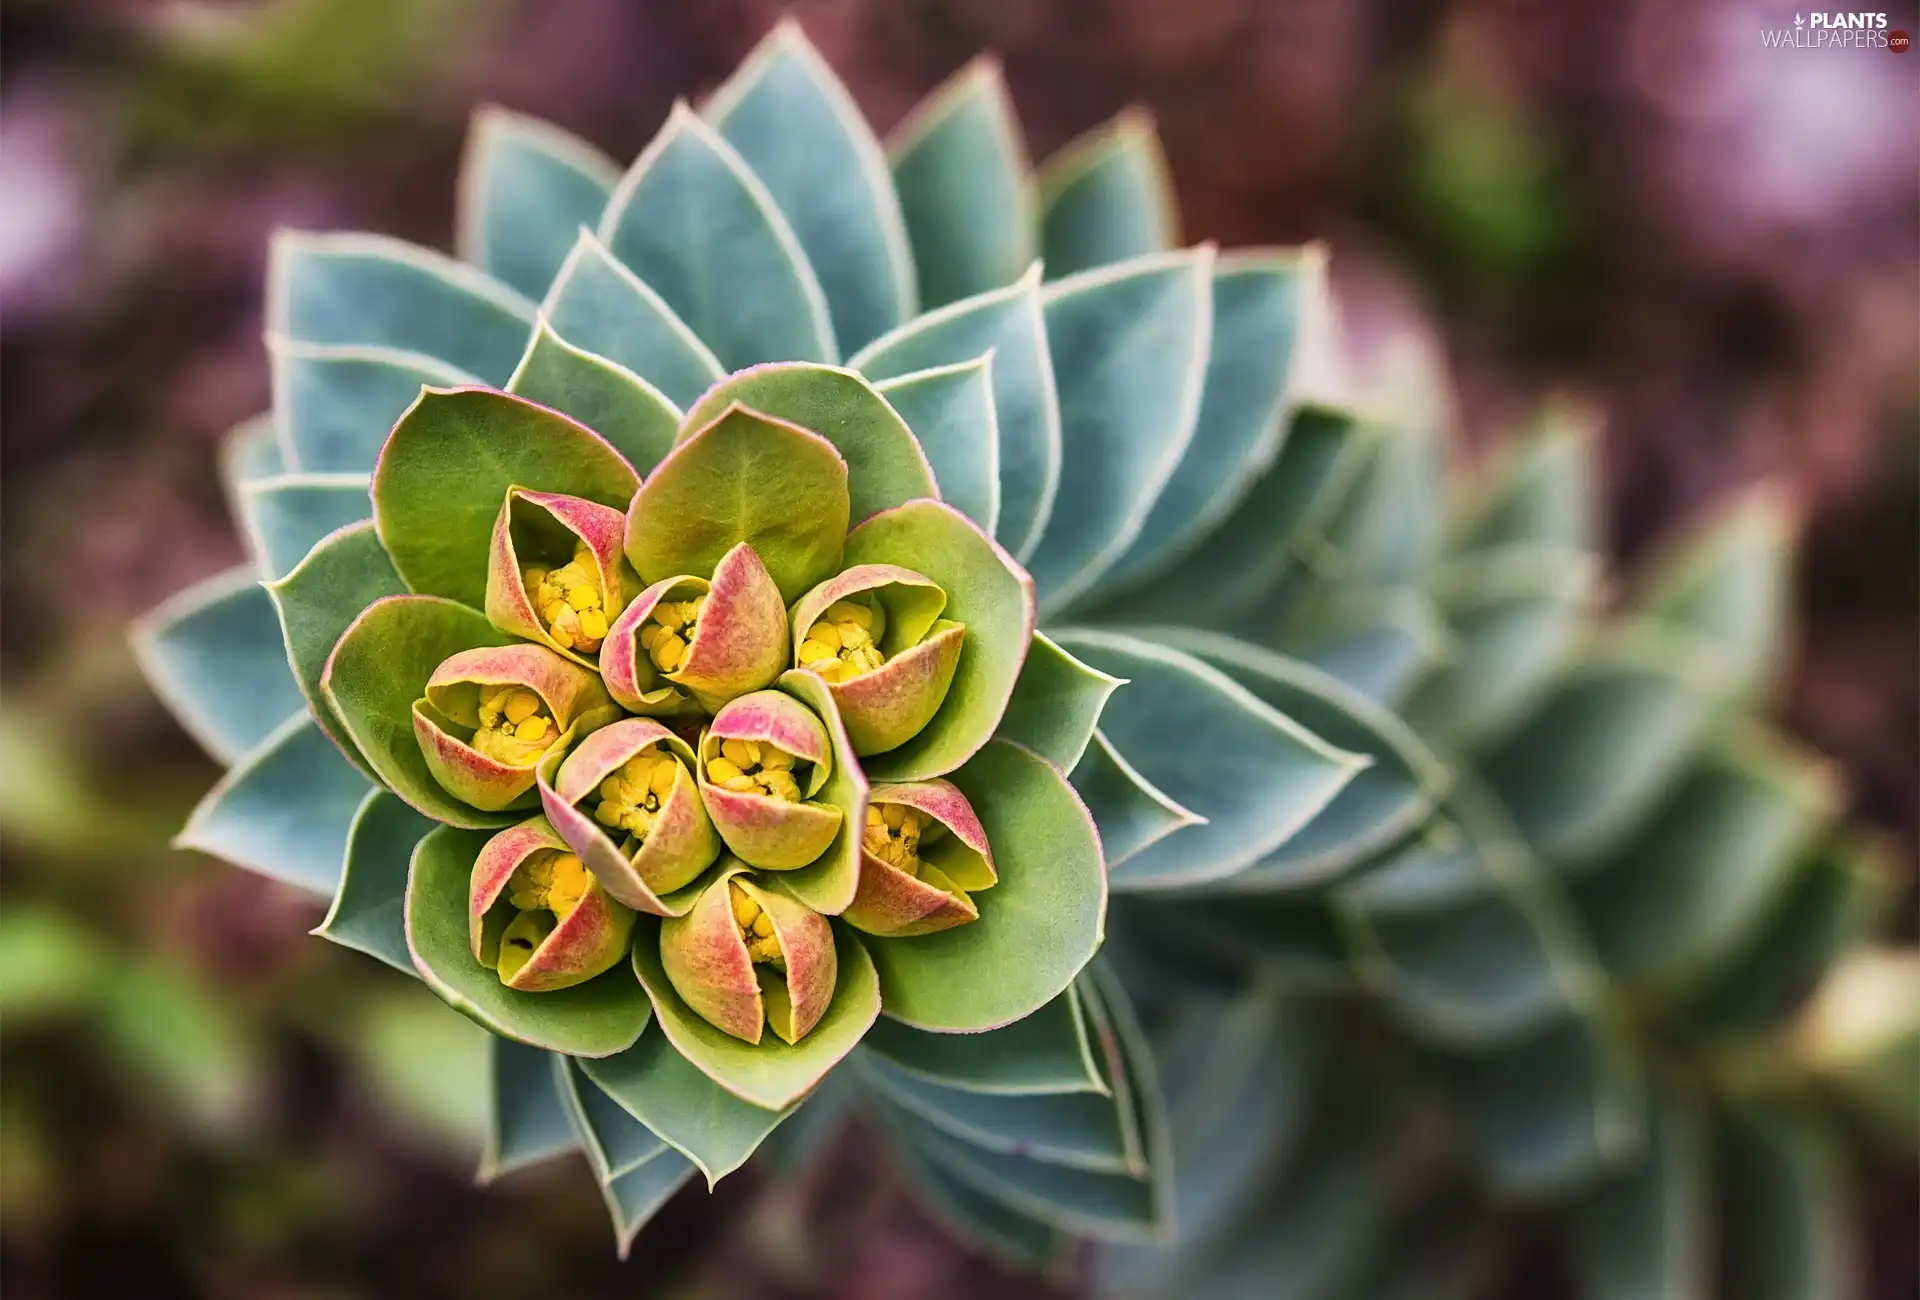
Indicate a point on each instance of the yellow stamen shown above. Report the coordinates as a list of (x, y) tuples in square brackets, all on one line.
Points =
[(893, 835), (571, 601), (756, 928), (840, 643), (631, 798), (515, 726), (549, 881), (754, 767)]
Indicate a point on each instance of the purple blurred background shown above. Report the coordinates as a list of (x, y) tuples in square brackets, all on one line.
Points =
[(1717, 242)]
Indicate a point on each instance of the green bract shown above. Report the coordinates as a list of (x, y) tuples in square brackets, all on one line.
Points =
[(642, 644)]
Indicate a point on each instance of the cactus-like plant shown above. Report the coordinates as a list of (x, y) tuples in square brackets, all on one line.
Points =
[(730, 631)]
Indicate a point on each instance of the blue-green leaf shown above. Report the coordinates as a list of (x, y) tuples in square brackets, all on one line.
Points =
[(336, 403), (1080, 1130), (799, 130), (1130, 346), (1213, 945), (283, 810), (1310, 1231), (1239, 1078), (527, 1120), (1383, 803), (598, 304), (1045, 1053), (1386, 531), (526, 188), (249, 450), (634, 1198), (1009, 323), (1783, 1209), (1210, 744), (1056, 703), (1547, 1111), (693, 221), (1018, 1240), (1110, 1206), (1465, 939), (1674, 902), (615, 1142), (1726, 581), (1540, 493), (1257, 310), (690, 1112), (966, 189), (346, 572), (1605, 744), (287, 516), (604, 395), (1234, 570), (370, 290), (1636, 1233), (1379, 642), (950, 410), (1838, 897), (1517, 615), (212, 654), (369, 908), (1131, 812), (1107, 197)]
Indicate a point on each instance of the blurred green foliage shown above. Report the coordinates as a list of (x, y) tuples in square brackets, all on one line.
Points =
[(296, 74)]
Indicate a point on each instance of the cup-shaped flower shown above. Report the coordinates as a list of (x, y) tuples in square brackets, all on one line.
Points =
[(557, 573), (924, 852), (491, 714), (747, 958), (690, 644), (626, 800), (537, 917), (762, 760), (875, 635)]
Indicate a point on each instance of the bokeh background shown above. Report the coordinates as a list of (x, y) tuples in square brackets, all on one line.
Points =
[(1716, 242)]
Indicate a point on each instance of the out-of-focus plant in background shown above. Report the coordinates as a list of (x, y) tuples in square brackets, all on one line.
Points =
[(1713, 239)]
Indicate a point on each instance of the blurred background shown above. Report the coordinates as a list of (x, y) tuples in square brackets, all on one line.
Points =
[(1717, 242)]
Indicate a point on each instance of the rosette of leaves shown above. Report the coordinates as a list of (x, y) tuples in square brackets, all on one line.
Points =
[(888, 552), (1613, 984), (640, 638)]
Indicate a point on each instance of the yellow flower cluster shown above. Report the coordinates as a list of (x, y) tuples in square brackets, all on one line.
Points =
[(893, 835), (570, 601), (668, 629), (632, 796), (841, 644), (753, 767), (544, 888), (515, 727), (548, 881), (756, 929)]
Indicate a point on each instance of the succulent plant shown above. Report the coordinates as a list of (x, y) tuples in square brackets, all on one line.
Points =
[(729, 632)]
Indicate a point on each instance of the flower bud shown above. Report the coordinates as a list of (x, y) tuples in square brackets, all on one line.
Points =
[(875, 635), (557, 574), (690, 644), (923, 852), (746, 957), (762, 759), (627, 801), (536, 915), (490, 715)]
